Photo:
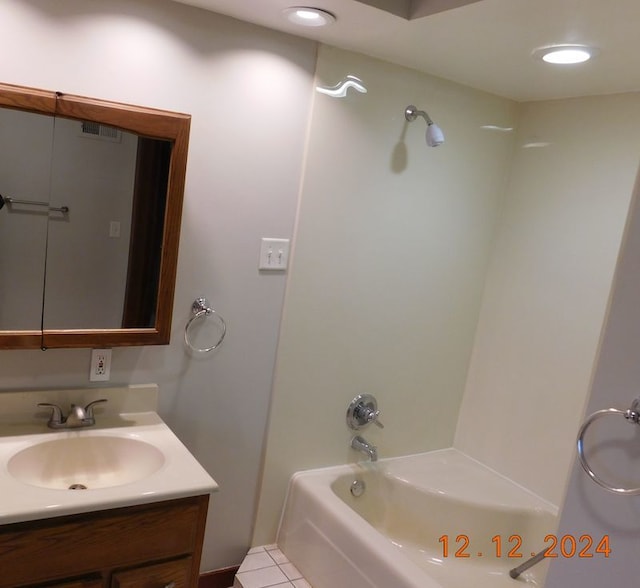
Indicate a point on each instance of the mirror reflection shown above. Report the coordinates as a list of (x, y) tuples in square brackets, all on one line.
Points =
[(88, 176), (87, 248), (107, 246), (25, 170)]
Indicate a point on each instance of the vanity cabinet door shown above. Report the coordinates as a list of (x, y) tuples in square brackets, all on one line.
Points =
[(171, 574), (124, 544)]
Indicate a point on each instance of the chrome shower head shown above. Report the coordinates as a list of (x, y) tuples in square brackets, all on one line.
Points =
[(434, 136)]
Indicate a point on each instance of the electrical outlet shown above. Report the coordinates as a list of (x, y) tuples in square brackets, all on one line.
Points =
[(100, 370)]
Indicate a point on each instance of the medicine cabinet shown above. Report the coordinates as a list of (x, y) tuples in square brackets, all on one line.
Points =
[(91, 198)]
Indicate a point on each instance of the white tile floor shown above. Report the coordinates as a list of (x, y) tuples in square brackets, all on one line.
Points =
[(267, 566)]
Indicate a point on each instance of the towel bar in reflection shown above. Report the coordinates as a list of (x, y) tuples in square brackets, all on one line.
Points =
[(632, 415), (9, 200), (200, 309)]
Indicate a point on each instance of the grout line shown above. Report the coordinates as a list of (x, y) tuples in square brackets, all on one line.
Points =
[(284, 561)]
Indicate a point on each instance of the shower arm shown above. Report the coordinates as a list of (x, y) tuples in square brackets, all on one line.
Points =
[(411, 113)]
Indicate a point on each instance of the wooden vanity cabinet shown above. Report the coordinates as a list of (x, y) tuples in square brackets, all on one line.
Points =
[(148, 546)]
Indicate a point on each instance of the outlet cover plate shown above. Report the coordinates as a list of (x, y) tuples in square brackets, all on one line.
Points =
[(100, 370)]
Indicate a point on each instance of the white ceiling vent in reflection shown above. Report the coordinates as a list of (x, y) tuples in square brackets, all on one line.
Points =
[(94, 130), (341, 88)]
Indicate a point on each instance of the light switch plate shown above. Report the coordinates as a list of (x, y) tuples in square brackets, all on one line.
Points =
[(114, 229), (274, 254)]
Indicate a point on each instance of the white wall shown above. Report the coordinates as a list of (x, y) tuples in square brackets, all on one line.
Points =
[(611, 442), (547, 287), (248, 90), (392, 244)]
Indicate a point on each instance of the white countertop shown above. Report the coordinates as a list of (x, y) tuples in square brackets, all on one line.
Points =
[(179, 476)]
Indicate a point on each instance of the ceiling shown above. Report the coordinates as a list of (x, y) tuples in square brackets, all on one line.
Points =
[(485, 44)]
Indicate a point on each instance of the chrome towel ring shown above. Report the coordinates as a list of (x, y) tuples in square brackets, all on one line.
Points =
[(632, 415), (200, 308)]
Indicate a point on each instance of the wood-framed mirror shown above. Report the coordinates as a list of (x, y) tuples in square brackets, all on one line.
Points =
[(91, 196)]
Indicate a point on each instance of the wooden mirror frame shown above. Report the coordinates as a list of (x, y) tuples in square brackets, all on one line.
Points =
[(147, 122)]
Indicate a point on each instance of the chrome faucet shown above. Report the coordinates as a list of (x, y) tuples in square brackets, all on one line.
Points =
[(360, 444), (78, 417)]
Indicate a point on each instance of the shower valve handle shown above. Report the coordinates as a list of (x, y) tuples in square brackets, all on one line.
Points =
[(372, 417), (362, 411)]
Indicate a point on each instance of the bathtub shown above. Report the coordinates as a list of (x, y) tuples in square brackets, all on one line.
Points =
[(433, 520)]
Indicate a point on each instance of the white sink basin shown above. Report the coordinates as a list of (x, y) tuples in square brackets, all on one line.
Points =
[(130, 457), (85, 462)]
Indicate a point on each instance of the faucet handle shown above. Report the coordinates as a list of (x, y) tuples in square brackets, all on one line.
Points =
[(362, 411), (89, 408), (372, 417), (56, 412)]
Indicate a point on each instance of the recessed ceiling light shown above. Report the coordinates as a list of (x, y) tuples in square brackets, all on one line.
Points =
[(308, 16), (565, 54)]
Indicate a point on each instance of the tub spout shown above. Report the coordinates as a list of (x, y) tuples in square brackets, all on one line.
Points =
[(360, 444)]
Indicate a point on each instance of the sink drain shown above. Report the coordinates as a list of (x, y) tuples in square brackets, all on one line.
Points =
[(77, 487)]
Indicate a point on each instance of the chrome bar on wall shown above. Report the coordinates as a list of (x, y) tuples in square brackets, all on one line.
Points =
[(63, 209), (532, 561), (632, 415), (8, 200)]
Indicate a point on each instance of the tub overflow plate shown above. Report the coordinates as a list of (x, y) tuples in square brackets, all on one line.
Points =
[(357, 488)]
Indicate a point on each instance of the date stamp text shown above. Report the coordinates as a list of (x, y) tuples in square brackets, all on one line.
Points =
[(566, 546)]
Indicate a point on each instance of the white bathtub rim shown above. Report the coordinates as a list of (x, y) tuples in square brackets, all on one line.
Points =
[(536, 503)]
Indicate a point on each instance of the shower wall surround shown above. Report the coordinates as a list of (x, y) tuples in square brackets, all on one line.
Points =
[(392, 245), (548, 287)]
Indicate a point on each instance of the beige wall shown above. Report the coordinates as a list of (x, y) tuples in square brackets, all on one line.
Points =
[(547, 287), (249, 91), (391, 249)]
